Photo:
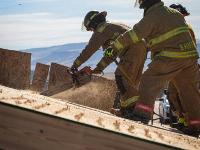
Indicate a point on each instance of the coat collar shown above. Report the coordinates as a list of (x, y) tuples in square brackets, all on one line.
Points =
[(154, 7)]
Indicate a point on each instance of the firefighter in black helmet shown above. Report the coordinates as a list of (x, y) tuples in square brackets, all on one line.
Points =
[(93, 19), (131, 63)]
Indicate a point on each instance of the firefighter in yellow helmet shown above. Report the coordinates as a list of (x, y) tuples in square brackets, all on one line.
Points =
[(131, 62), (174, 58), (173, 95)]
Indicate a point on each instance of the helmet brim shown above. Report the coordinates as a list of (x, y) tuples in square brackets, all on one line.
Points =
[(104, 13)]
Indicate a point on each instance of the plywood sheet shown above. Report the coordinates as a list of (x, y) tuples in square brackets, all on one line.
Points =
[(21, 109), (40, 77), (15, 68), (58, 75), (22, 129)]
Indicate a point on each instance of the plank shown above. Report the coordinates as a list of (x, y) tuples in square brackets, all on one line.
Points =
[(22, 129), (71, 114), (60, 80), (58, 75), (40, 77), (15, 68)]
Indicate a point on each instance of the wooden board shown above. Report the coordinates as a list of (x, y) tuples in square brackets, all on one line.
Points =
[(15, 68), (54, 124), (22, 129), (40, 77), (58, 75), (60, 80)]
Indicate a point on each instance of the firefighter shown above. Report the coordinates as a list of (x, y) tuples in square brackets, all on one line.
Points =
[(130, 62), (127, 75), (174, 58), (173, 96)]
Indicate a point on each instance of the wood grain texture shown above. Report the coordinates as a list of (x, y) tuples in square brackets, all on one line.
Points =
[(22, 111), (58, 75), (22, 129), (60, 80), (15, 68), (40, 77)]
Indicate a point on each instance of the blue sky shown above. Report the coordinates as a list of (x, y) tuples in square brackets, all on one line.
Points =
[(42, 23)]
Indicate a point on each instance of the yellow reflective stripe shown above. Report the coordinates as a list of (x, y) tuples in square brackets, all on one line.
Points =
[(185, 124), (129, 101), (177, 54), (102, 28), (115, 35), (78, 62), (181, 120), (168, 35), (103, 64), (118, 45), (133, 36)]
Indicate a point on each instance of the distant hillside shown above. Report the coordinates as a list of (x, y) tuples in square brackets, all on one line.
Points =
[(66, 54)]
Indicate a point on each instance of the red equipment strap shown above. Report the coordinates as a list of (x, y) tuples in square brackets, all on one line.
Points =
[(144, 107)]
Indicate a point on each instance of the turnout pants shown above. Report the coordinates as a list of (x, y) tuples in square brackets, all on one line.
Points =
[(184, 74), (174, 100), (129, 71)]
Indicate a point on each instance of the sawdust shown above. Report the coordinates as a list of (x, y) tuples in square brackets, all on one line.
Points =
[(79, 116), (99, 93)]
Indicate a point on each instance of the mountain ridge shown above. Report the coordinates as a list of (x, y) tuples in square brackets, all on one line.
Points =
[(65, 54)]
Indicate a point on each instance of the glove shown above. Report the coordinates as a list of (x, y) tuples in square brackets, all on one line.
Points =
[(96, 71), (109, 52), (74, 69)]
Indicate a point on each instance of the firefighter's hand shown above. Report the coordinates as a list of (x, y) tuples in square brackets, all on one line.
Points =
[(109, 52), (74, 69), (96, 71)]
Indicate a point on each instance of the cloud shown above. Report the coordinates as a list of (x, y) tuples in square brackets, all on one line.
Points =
[(28, 30), (19, 31)]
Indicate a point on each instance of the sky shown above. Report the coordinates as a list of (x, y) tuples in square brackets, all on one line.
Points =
[(26, 24)]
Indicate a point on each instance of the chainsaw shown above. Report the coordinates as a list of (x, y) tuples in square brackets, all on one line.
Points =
[(79, 75)]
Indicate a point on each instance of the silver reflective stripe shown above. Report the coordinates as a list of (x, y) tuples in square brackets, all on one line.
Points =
[(88, 22), (167, 35), (129, 101)]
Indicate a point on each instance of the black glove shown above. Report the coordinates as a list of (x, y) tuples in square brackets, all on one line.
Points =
[(74, 69)]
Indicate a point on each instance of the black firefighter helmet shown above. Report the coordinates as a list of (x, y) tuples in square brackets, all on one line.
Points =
[(93, 19), (180, 8)]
